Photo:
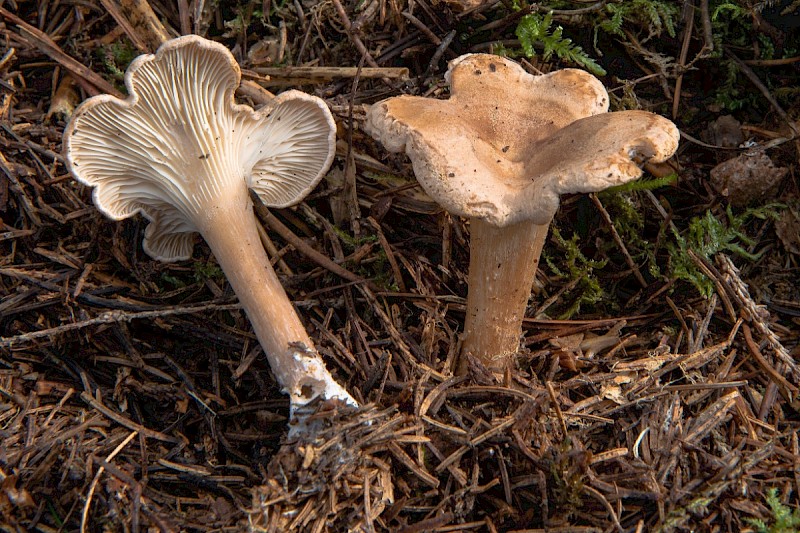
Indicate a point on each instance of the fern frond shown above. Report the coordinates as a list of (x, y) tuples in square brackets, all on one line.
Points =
[(535, 28), (654, 15)]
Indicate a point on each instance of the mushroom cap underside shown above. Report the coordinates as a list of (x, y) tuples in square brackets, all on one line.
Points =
[(180, 143), (506, 150)]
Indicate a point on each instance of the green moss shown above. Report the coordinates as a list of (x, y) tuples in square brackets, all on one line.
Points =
[(116, 58), (536, 29), (708, 235), (172, 280), (629, 222), (207, 270), (784, 518), (579, 270), (655, 16), (641, 185)]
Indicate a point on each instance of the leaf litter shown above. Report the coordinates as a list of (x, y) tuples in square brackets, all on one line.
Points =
[(133, 395)]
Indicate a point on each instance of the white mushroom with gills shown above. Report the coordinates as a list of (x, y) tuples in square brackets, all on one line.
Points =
[(500, 151), (181, 152)]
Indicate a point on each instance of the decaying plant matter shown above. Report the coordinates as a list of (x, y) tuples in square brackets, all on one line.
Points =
[(135, 397)]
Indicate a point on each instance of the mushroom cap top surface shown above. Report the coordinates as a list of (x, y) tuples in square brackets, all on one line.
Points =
[(179, 145), (507, 144)]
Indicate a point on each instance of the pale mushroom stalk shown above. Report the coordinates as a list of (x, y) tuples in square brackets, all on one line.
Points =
[(182, 153), (230, 231), (501, 151), (502, 267)]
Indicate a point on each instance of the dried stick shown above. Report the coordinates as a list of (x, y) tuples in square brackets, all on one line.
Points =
[(776, 380), (771, 62), (387, 248), (755, 80), (359, 44), (553, 398), (328, 73), (300, 245), (708, 34), (111, 317), (687, 37), (126, 422), (432, 37), (185, 18), (87, 505), (757, 317), (440, 50)]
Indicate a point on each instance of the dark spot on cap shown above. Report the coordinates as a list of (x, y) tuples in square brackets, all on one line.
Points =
[(478, 72), (492, 67), (451, 175), (505, 148), (307, 391)]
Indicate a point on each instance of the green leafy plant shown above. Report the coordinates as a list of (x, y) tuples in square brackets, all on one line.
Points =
[(173, 280), (731, 94), (731, 9), (784, 518), (734, 27), (377, 269), (352, 242), (116, 58), (787, 95), (708, 235), (629, 221), (579, 270), (207, 270), (656, 16), (202, 271), (535, 28), (641, 185)]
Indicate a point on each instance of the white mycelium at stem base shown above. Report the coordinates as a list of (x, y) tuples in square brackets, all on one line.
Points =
[(182, 153), (500, 151)]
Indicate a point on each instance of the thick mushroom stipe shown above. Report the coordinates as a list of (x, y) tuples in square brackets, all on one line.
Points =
[(501, 150), (181, 152)]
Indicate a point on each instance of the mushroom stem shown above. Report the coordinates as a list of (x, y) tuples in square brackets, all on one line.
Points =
[(502, 267), (232, 235)]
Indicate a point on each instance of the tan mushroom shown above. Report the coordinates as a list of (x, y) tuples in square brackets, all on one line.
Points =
[(500, 151), (182, 153)]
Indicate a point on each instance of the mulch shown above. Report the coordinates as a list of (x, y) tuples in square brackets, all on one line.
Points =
[(134, 397)]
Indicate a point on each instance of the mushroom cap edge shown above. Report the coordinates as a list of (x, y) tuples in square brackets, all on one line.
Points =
[(534, 193), (162, 220)]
